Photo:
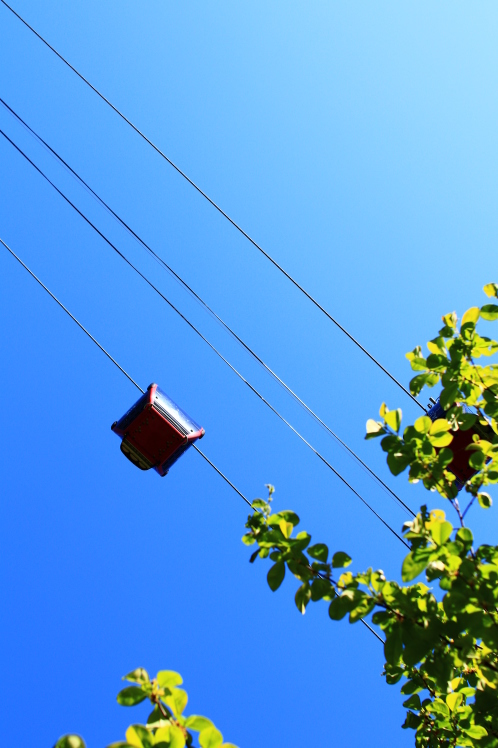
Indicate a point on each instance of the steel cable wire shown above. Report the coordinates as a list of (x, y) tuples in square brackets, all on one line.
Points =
[(213, 348), (222, 475), (216, 206), (190, 290)]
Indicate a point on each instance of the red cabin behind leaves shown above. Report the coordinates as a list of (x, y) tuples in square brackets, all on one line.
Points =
[(459, 465)]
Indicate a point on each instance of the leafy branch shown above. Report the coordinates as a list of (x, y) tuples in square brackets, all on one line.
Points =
[(442, 644), (167, 726), (444, 650)]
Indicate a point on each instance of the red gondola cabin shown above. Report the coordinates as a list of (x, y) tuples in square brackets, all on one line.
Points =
[(459, 465), (155, 432)]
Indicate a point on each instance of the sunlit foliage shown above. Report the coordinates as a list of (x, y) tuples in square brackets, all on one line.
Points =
[(167, 726), (440, 644)]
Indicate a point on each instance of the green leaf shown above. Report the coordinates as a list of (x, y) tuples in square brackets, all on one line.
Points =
[(319, 551), (177, 701), (302, 598), (491, 289), (393, 646), (437, 362), (439, 425), (466, 421), (341, 560), (70, 741), (339, 607), (139, 737), (417, 384), (156, 715), (465, 535), (489, 312), (439, 707), (176, 737), (448, 396), (418, 642), (413, 702), (476, 732), (436, 345), (397, 462), (285, 528), (470, 317), (443, 439), (276, 575), (288, 516), (450, 319), (412, 721), (139, 675), (423, 380), (441, 531), (169, 679), (418, 363), (411, 686), (393, 419), (414, 565), (361, 608), (485, 500), (393, 673), (423, 424), (198, 723), (438, 434), (130, 696), (301, 541), (454, 700), (210, 738), (162, 736), (445, 456), (477, 460), (390, 443), (321, 588)]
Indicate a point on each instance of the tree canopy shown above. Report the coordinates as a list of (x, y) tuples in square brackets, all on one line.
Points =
[(440, 636), (441, 644)]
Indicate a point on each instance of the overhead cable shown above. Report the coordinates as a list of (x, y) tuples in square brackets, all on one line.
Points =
[(222, 475), (213, 348), (216, 206), (190, 290), (114, 361)]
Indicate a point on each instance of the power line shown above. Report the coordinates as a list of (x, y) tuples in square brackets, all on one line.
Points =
[(205, 305), (141, 390), (113, 360), (215, 350), (216, 206)]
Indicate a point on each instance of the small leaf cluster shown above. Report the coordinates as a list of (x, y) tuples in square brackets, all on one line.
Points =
[(272, 533), (444, 650), (167, 726), (425, 446)]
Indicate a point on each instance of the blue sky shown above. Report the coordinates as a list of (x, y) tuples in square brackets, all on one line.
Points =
[(356, 142)]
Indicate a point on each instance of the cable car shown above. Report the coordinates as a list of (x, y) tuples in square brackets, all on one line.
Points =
[(459, 465), (155, 432)]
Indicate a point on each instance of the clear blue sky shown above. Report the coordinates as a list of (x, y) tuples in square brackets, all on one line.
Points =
[(357, 143)]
